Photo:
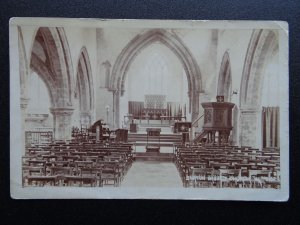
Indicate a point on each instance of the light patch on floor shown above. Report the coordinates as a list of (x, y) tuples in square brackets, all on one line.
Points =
[(152, 174)]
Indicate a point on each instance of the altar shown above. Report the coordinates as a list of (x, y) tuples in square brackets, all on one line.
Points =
[(155, 107)]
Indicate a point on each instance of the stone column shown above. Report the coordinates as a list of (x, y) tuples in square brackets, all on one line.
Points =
[(197, 126), (23, 105), (62, 122), (85, 119), (116, 108), (248, 127)]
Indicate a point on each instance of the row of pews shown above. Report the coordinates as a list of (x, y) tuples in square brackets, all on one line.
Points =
[(228, 166), (76, 164)]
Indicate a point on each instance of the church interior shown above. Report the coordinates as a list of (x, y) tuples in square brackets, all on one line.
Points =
[(149, 107)]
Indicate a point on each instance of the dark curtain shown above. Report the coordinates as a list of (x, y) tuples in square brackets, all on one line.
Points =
[(270, 125), (176, 109)]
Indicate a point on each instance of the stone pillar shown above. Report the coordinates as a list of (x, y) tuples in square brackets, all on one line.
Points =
[(235, 123), (195, 105), (23, 105), (197, 126), (107, 67), (248, 127), (62, 122), (85, 119), (116, 109), (190, 101)]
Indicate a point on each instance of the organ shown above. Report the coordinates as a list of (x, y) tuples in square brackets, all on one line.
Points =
[(101, 129)]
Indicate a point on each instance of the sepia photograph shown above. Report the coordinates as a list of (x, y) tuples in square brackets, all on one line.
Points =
[(149, 109)]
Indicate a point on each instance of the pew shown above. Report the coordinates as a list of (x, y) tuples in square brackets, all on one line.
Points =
[(76, 164)]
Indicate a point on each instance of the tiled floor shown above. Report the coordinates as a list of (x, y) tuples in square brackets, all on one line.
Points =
[(152, 174)]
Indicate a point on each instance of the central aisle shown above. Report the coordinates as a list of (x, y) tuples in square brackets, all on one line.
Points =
[(152, 174)]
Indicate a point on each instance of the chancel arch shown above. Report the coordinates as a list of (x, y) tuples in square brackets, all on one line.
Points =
[(173, 42), (51, 60), (156, 79)]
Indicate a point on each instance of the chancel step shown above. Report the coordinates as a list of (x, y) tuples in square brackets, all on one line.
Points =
[(163, 138), (152, 156), (162, 144)]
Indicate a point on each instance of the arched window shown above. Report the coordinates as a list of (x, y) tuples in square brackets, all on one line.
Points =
[(156, 72)]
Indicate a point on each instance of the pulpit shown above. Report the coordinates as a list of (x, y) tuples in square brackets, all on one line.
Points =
[(153, 132), (217, 121)]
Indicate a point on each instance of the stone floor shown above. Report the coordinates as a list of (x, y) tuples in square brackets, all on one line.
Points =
[(152, 174)]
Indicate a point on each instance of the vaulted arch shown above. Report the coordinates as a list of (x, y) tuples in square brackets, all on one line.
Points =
[(51, 60), (85, 87), (170, 40), (85, 82), (23, 64), (224, 81), (175, 44), (261, 47)]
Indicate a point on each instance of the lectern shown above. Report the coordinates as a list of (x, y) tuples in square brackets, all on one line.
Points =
[(217, 120), (153, 132), (121, 135), (133, 128), (183, 128)]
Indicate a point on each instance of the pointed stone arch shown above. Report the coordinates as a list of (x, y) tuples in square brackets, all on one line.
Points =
[(51, 60), (262, 45), (225, 81), (23, 64), (175, 44), (85, 87)]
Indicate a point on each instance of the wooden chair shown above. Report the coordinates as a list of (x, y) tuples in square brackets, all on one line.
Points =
[(230, 177), (92, 172), (110, 173), (28, 171), (41, 180), (81, 181), (258, 177), (198, 177)]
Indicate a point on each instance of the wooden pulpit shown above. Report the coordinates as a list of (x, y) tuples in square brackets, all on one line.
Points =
[(217, 120)]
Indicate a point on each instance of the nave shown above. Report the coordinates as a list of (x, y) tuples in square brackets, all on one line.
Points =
[(117, 164)]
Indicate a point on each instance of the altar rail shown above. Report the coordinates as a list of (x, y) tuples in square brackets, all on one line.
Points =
[(169, 119)]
